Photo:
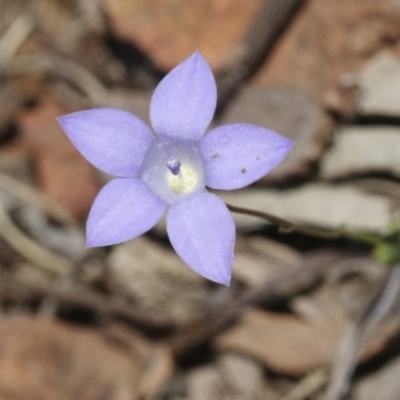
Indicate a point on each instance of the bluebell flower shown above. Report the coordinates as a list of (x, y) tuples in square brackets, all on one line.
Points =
[(169, 170)]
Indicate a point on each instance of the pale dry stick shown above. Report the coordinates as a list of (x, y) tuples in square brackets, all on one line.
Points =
[(31, 250), (30, 195), (14, 37), (357, 335), (286, 226), (12, 98), (50, 64), (308, 386)]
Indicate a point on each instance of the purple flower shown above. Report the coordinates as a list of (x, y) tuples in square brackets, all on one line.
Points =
[(169, 170)]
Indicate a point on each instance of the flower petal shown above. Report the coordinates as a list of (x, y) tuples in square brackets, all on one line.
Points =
[(123, 210), (202, 232), (183, 103), (239, 154), (114, 141)]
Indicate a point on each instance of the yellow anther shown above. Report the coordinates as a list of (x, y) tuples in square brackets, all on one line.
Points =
[(185, 181)]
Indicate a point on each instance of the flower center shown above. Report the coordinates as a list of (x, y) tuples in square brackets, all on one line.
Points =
[(174, 170)]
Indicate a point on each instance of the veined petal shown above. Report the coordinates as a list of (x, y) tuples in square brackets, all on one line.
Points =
[(183, 103), (114, 141), (124, 209), (202, 232), (236, 155)]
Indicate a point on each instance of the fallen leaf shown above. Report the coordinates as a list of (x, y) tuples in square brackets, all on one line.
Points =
[(168, 31), (284, 343), (45, 360)]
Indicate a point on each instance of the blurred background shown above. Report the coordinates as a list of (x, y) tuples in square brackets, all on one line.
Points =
[(313, 308)]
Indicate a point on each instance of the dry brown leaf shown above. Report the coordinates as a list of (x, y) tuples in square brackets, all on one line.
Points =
[(44, 359), (297, 344), (170, 30), (284, 343)]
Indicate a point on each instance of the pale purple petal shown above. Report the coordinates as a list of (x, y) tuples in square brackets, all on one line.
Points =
[(114, 141), (124, 209), (183, 103), (202, 232), (237, 155)]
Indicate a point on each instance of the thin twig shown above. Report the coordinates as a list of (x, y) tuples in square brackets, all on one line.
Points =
[(54, 65), (357, 335)]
